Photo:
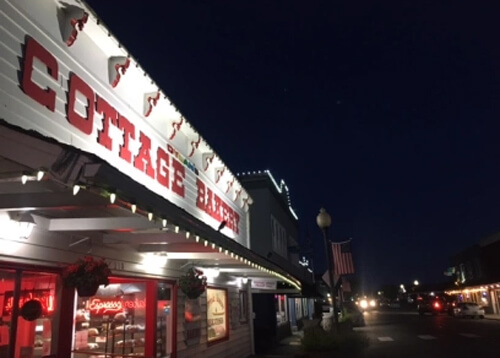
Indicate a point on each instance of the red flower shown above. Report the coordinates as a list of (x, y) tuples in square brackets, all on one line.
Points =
[(193, 283), (87, 270)]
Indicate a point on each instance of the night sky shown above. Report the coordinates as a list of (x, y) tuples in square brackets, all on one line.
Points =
[(385, 114)]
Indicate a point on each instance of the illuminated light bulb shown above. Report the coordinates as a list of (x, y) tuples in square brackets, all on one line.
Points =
[(112, 198), (176, 229), (205, 243), (197, 238), (24, 178), (39, 175), (232, 255), (133, 207), (76, 189), (164, 222), (150, 216), (187, 234), (220, 248), (213, 246), (226, 252)]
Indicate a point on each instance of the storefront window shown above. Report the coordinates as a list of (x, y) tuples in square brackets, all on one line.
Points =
[(164, 321), (113, 321), (28, 304), (243, 306), (281, 309), (298, 308)]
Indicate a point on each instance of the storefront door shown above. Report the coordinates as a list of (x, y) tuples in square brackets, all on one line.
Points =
[(28, 304)]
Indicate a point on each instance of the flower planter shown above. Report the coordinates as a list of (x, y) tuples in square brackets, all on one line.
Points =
[(193, 283), (86, 275)]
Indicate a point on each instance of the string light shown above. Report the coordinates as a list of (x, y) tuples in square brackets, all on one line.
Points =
[(197, 238), (164, 222), (150, 216), (133, 207), (205, 243), (76, 189), (112, 198), (24, 178), (176, 229), (39, 175), (187, 234)]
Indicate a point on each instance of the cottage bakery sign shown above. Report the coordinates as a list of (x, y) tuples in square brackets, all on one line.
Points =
[(82, 96)]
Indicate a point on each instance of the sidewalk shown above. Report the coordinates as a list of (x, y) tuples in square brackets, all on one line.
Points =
[(289, 347)]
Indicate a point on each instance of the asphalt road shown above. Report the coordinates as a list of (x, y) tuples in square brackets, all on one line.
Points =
[(405, 334)]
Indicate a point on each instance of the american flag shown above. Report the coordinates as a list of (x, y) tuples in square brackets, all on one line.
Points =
[(346, 285), (342, 258)]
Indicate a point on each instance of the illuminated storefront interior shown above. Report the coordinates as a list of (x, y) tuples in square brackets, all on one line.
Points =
[(26, 328)]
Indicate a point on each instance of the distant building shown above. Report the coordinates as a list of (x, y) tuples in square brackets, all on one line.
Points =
[(477, 274), (274, 231)]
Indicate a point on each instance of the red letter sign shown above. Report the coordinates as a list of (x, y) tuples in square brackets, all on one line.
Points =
[(46, 97), (85, 124)]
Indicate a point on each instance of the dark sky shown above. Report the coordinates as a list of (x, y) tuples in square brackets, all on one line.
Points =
[(385, 114)]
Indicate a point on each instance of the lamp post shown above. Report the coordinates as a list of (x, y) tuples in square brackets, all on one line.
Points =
[(324, 221)]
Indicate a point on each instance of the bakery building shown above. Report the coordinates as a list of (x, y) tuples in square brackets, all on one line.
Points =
[(97, 165)]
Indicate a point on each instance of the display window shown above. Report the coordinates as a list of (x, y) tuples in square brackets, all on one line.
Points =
[(116, 321), (28, 304), (243, 306), (281, 309), (217, 317)]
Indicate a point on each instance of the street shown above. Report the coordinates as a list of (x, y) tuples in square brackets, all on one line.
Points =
[(397, 333)]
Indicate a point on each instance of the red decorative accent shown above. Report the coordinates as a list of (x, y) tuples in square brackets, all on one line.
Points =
[(177, 127), (237, 193), (77, 24), (219, 173), (151, 102), (208, 160), (100, 306), (229, 185), (195, 145), (120, 71)]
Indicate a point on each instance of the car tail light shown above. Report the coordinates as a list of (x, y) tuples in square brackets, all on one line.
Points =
[(436, 305)]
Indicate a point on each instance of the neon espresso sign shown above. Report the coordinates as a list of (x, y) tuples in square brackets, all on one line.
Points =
[(100, 306)]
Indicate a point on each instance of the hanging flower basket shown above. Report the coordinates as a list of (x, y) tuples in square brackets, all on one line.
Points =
[(86, 275), (193, 283)]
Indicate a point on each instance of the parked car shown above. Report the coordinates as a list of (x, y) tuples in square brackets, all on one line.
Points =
[(468, 309), (432, 305)]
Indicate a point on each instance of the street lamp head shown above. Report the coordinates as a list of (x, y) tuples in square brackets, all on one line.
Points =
[(323, 219)]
